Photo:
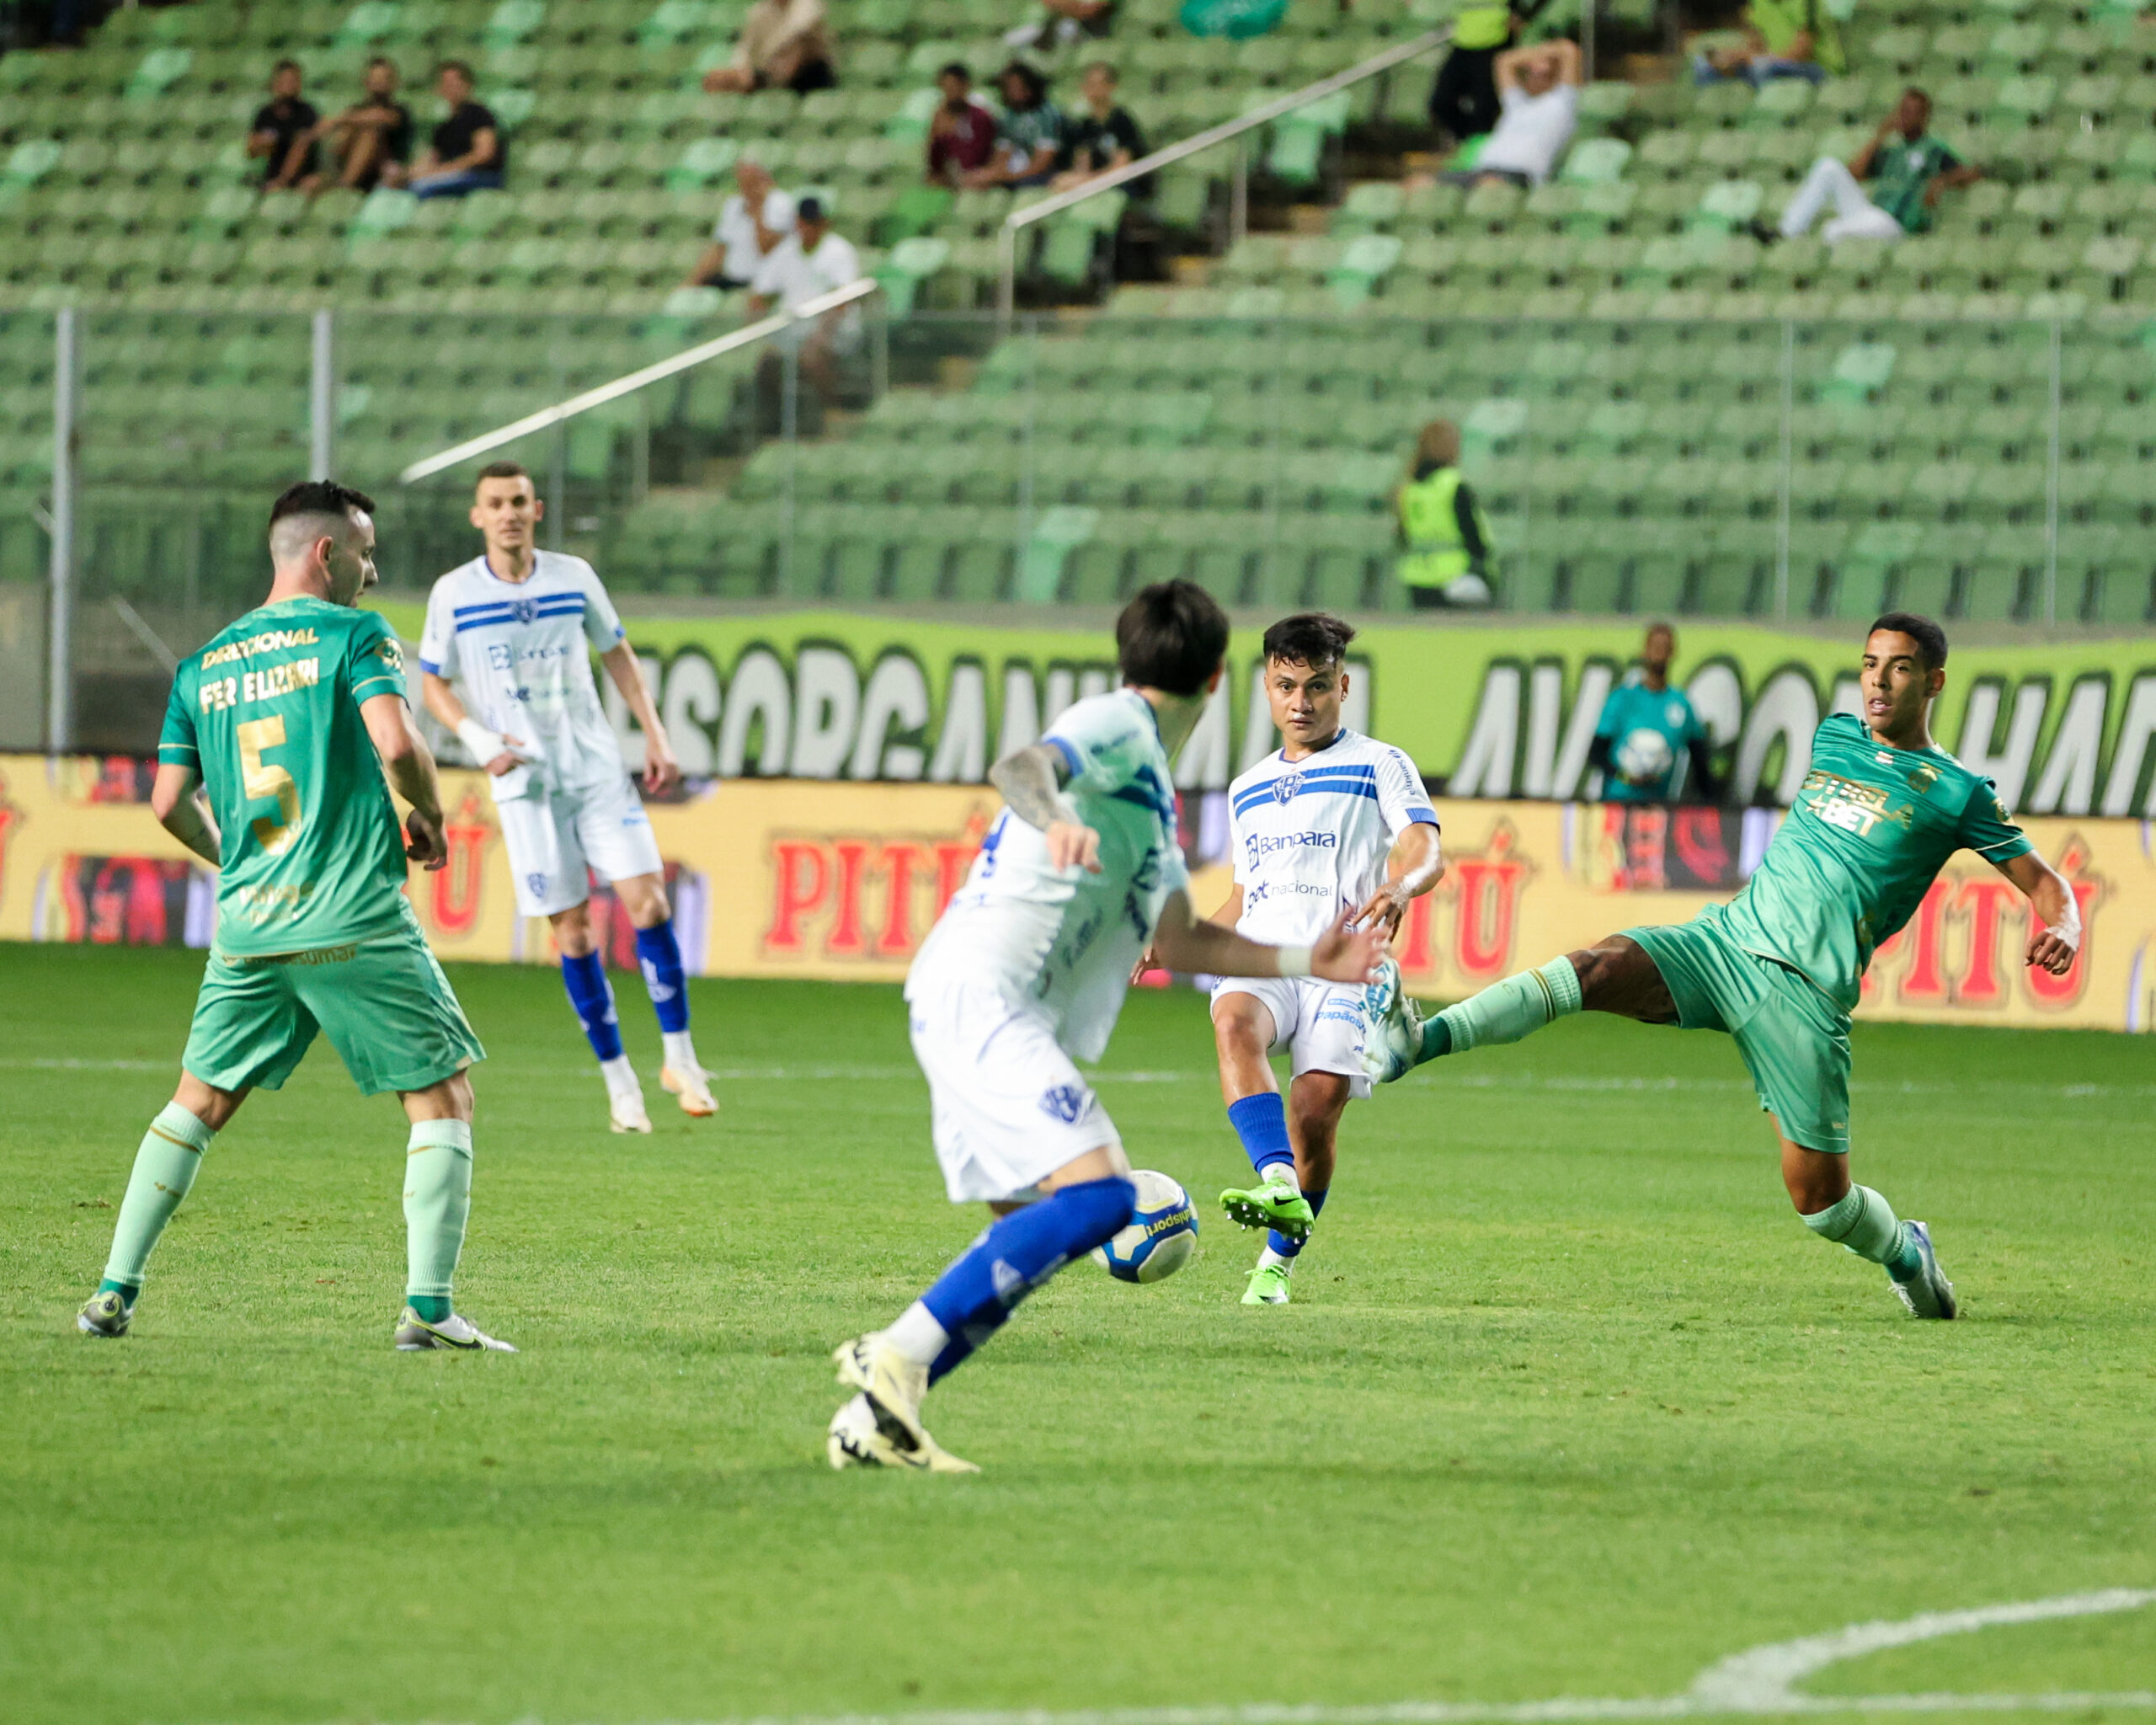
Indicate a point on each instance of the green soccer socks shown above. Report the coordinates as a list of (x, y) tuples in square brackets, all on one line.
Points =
[(437, 1201), (1505, 1011), (1866, 1223), (165, 1167)]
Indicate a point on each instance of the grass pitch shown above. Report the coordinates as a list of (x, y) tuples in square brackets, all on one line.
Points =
[(1570, 1404)]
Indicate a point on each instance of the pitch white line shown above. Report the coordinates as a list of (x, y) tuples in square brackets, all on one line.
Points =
[(1757, 1682)]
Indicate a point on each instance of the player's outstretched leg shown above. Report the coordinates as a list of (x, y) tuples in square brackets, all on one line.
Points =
[(1400, 1039), (583, 975), (437, 1205), (893, 1369), (165, 1165), (1862, 1220), (680, 1075)]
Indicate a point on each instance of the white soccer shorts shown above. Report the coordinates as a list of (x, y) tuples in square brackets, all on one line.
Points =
[(1007, 1106), (554, 839), (1319, 1025)]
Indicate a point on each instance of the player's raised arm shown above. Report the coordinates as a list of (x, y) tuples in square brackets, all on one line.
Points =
[(1031, 782), (410, 765), (661, 772), (1342, 954), (174, 801), (2057, 936)]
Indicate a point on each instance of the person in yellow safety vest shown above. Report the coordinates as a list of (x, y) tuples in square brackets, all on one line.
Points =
[(1463, 101), (1448, 555)]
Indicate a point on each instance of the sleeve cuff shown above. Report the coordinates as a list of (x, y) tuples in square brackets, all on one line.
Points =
[(430, 667), (2018, 846), (368, 687), (1423, 817), (179, 754), (1070, 755)]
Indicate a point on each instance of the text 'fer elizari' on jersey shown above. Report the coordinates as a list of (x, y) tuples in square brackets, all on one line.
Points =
[(1062, 939), (269, 714)]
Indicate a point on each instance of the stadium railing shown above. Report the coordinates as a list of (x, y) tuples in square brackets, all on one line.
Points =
[(1992, 472), (1233, 132)]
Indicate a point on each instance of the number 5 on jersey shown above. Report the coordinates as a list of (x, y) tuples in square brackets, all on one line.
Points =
[(261, 779)]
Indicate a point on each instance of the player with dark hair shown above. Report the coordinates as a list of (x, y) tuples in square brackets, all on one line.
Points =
[(1330, 823), (1779, 968), (1024, 975), (515, 630), (289, 718)]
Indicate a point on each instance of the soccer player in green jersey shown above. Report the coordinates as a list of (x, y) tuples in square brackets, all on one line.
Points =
[(288, 720), (1780, 967)]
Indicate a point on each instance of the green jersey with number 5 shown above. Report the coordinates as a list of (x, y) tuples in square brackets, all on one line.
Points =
[(269, 714)]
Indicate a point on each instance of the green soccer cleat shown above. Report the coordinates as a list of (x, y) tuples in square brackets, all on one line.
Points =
[(1270, 1203), (1268, 1285), (1392, 1043), (456, 1332), (1928, 1293), (105, 1314)]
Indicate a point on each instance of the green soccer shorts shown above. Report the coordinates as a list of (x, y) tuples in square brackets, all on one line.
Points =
[(388, 1010), (1794, 1041)]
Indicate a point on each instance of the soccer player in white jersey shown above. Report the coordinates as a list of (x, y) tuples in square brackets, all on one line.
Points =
[(1026, 972), (1333, 822), (517, 626)]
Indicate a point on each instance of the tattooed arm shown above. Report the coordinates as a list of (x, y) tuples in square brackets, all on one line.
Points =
[(1031, 782)]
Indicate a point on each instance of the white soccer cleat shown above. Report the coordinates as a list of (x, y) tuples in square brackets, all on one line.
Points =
[(856, 1439), (456, 1333), (1927, 1294), (893, 1384), (690, 1086), (1393, 1036), (625, 1111)]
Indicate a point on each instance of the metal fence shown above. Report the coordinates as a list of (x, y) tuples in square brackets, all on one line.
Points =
[(1998, 472)]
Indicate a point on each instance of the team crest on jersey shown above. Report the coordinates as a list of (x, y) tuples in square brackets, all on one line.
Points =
[(527, 610), (537, 882), (1922, 779), (1065, 1103), (1285, 787)]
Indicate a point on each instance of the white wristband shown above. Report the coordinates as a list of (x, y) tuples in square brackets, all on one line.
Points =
[(1294, 961), (483, 744), (2067, 929)]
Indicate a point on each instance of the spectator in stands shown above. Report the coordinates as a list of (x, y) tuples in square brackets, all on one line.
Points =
[(750, 225), (1063, 23), (784, 44), (1908, 167), (807, 263), (1538, 104), (1029, 138), (1447, 554), (1464, 100), (1104, 135), (467, 153), (962, 132), (1650, 768), (371, 141), (1782, 38), (283, 132)]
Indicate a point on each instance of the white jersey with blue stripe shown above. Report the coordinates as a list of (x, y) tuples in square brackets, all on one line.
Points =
[(523, 651), (1064, 939), (1310, 836)]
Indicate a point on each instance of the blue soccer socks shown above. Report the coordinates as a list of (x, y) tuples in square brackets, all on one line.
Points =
[(971, 1300), (658, 956), (1261, 1121), (593, 997)]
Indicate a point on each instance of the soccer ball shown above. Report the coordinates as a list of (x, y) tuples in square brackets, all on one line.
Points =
[(1643, 758), (1162, 1237)]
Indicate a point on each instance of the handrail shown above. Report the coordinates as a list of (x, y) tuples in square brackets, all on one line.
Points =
[(632, 382), (1007, 238)]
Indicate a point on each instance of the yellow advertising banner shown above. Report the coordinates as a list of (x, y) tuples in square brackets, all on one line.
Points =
[(797, 879)]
